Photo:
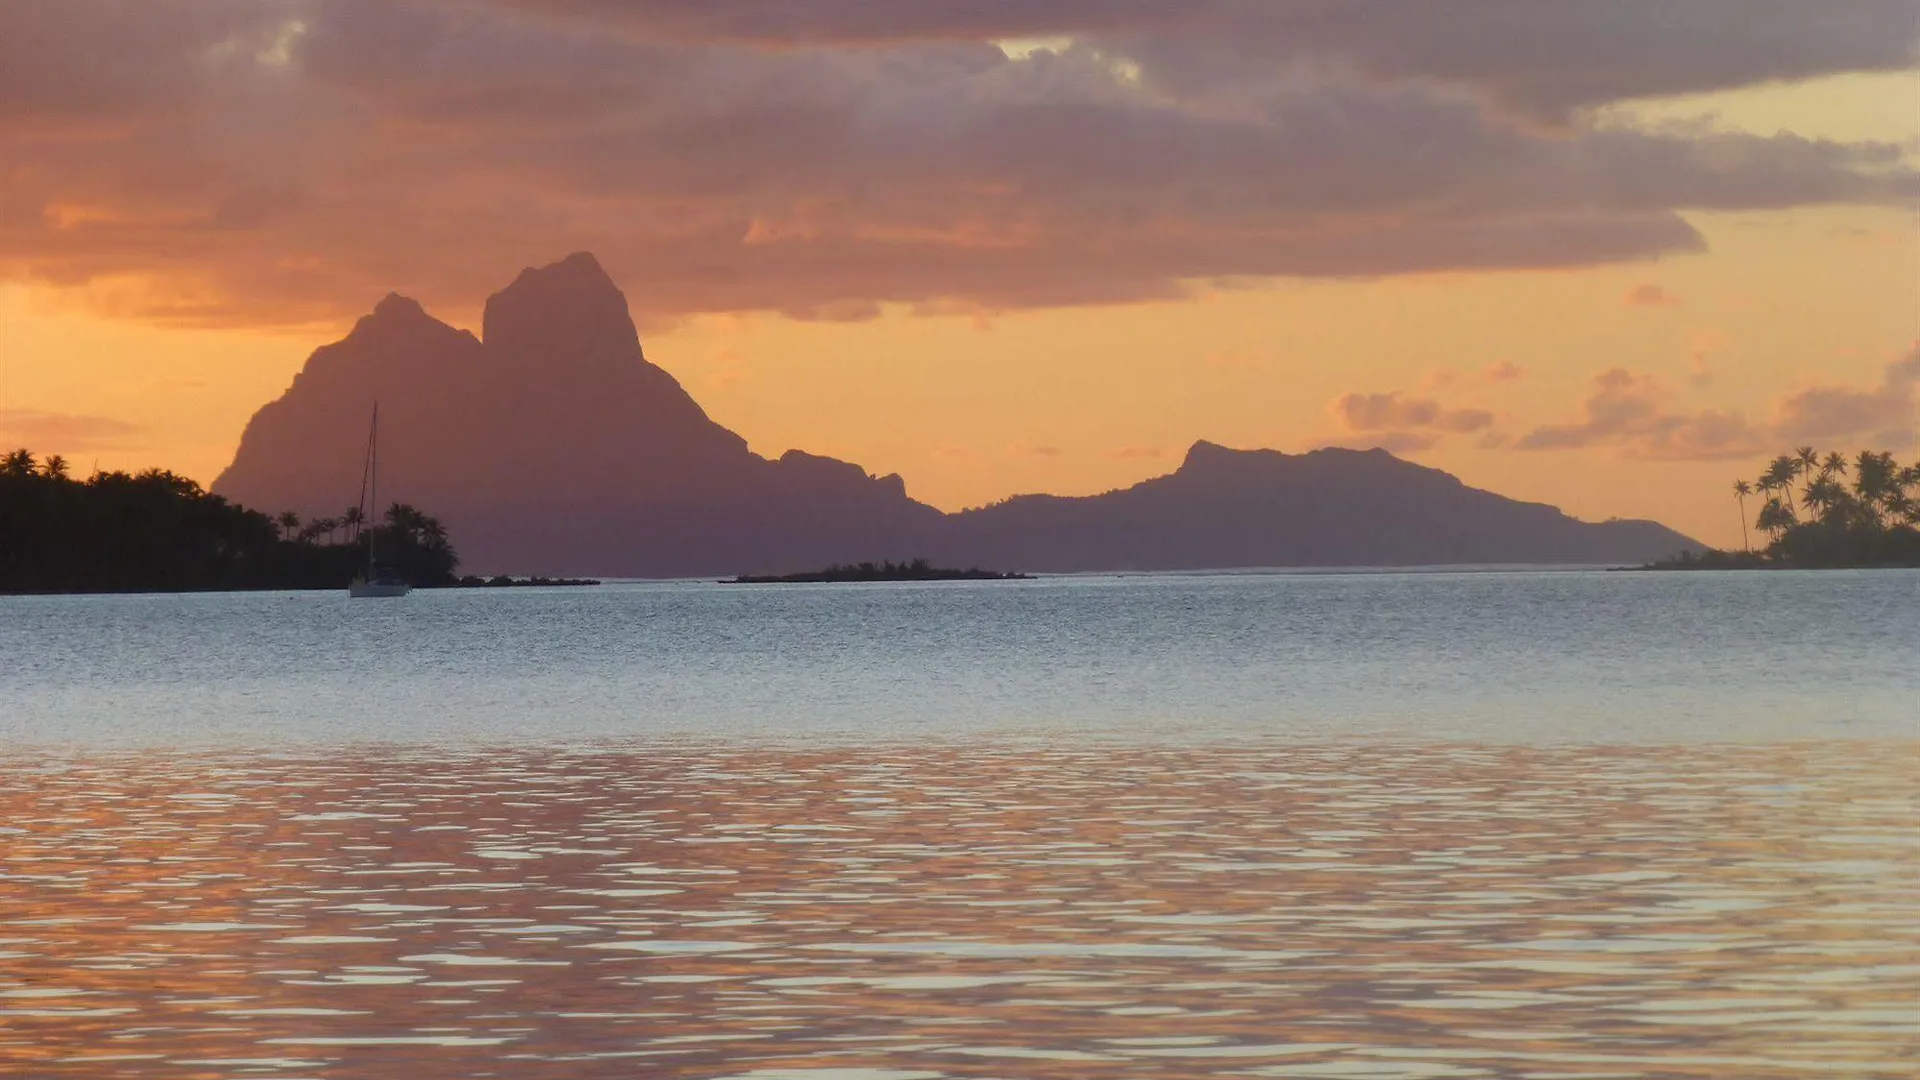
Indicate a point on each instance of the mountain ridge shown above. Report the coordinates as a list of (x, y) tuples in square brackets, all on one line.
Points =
[(1331, 506), (551, 444)]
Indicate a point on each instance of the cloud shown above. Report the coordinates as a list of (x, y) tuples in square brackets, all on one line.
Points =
[(1137, 453), (1626, 411), (274, 161), (64, 433), (1650, 296), (1402, 423), (786, 23), (1504, 371), (1382, 411), (1834, 412), (1631, 413), (1544, 58)]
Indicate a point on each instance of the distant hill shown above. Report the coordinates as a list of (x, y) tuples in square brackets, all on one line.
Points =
[(551, 445), (1228, 508)]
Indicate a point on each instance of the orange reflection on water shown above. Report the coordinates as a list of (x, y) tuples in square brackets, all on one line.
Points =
[(963, 911)]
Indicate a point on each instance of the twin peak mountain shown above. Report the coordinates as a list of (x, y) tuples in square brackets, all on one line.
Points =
[(551, 445)]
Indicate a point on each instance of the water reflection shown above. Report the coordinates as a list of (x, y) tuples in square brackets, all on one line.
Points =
[(965, 911)]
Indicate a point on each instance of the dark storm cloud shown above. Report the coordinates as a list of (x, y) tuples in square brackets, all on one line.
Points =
[(1545, 57), (293, 159)]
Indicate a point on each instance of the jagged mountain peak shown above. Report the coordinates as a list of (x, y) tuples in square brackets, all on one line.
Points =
[(578, 272), (396, 306), (573, 296), (396, 314), (551, 444), (1204, 455)]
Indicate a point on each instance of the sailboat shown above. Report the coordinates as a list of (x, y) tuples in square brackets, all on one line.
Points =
[(377, 581)]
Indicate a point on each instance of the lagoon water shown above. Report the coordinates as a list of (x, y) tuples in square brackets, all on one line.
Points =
[(1410, 825), (1536, 657)]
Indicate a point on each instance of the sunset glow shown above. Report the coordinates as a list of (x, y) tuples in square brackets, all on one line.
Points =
[(1048, 264)]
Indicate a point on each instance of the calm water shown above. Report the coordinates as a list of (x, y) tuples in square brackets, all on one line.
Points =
[(1373, 826), (1529, 657)]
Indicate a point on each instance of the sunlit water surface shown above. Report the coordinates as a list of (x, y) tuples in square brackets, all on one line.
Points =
[(1381, 826)]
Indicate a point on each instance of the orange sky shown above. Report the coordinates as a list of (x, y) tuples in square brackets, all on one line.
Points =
[(129, 339)]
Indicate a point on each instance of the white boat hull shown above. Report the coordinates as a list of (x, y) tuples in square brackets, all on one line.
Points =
[(363, 589)]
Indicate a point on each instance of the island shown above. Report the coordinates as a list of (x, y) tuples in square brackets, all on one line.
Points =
[(507, 581), (157, 531), (917, 570), (1823, 512)]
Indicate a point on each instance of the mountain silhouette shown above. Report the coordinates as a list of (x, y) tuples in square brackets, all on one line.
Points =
[(551, 445), (1332, 507)]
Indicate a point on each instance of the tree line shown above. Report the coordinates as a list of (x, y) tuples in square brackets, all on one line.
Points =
[(1824, 510), (157, 531)]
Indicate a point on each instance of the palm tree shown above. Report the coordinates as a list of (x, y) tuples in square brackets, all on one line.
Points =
[(402, 518), (18, 463), (1775, 517), (1779, 477), (54, 467), (1828, 501), (1742, 489), (327, 525), (1902, 508), (353, 519), (1806, 461), (1806, 465), (1875, 477), (1871, 520), (289, 522)]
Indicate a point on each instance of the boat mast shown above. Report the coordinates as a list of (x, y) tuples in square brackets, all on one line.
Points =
[(373, 487)]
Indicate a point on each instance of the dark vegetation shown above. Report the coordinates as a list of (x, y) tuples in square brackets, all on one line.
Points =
[(917, 570), (1824, 512), (504, 581), (159, 532)]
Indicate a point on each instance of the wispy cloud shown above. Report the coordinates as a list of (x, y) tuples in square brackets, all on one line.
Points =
[(1627, 411), (1393, 409), (1889, 411), (1400, 422), (1650, 296), (63, 433), (1634, 415)]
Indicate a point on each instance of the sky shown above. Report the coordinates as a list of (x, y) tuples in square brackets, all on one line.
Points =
[(1609, 256)]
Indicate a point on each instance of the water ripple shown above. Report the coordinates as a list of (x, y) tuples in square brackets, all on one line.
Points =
[(742, 913)]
